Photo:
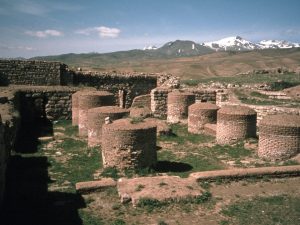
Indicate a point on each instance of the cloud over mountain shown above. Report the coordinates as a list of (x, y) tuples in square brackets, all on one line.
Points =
[(44, 33), (102, 31)]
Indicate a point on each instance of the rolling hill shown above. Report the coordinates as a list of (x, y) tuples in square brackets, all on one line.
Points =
[(191, 62)]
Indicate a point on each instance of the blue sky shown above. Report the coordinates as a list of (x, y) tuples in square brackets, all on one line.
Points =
[(48, 27)]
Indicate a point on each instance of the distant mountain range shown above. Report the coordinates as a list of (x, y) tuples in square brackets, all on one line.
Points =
[(170, 50), (238, 43)]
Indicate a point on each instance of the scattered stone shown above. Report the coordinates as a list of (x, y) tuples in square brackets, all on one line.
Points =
[(46, 138)]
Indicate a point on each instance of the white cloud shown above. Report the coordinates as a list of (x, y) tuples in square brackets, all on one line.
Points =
[(104, 32), (26, 48), (45, 33)]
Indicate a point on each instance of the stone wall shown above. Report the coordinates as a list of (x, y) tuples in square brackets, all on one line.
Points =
[(125, 87), (9, 124), (34, 73), (159, 102), (52, 102), (159, 97)]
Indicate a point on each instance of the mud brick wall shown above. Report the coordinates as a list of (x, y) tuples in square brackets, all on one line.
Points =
[(124, 87), (128, 146), (159, 102), (53, 103), (204, 95), (34, 73), (279, 137)]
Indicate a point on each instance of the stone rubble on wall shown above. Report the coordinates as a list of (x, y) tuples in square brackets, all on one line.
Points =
[(168, 81)]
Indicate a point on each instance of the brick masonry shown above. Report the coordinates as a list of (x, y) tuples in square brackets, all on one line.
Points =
[(235, 123), (201, 114), (34, 73), (96, 118), (159, 99), (127, 145), (178, 103), (279, 137)]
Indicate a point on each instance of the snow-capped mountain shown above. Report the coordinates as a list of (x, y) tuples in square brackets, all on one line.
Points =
[(150, 47), (236, 43), (277, 44)]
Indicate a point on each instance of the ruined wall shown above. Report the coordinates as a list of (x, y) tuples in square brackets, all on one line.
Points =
[(223, 99), (34, 73), (125, 87), (9, 124), (51, 102), (159, 98)]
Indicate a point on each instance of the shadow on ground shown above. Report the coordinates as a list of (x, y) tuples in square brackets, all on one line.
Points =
[(28, 200), (168, 166)]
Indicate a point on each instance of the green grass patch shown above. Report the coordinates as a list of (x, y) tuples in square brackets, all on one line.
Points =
[(181, 136), (282, 209)]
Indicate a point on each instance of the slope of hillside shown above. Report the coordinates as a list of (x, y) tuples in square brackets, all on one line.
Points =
[(215, 64), (192, 67)]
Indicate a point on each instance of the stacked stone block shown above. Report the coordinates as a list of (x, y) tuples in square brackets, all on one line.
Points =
[(128, 145), (35, 72), (178, 103), (88, 100), (200, 114), (235, 123), (279, 137), (125, 87), (96, 118), (159, 102)]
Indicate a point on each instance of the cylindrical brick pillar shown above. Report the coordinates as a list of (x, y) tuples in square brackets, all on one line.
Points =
[(279, 137), (178, 103), (235, 123), (127, 145), (96, 118), (88, 100), (201, 114)]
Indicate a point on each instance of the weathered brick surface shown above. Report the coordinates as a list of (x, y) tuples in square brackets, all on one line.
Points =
[(88, 100), (159, 102), (125, 87), (235, 123), (96, 118), (142, 101), (127, 145), (200, 114), (279, 137), (178, 103), (34, 73)]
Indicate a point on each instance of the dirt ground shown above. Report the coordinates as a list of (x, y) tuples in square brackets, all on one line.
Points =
[(106, 205)]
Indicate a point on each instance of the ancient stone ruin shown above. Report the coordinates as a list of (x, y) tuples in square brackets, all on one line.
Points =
[(129, 145), (178, 103), (279, 137), (88, 100), (201, 114), (235, 123), (96, 119), (125, 115)]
